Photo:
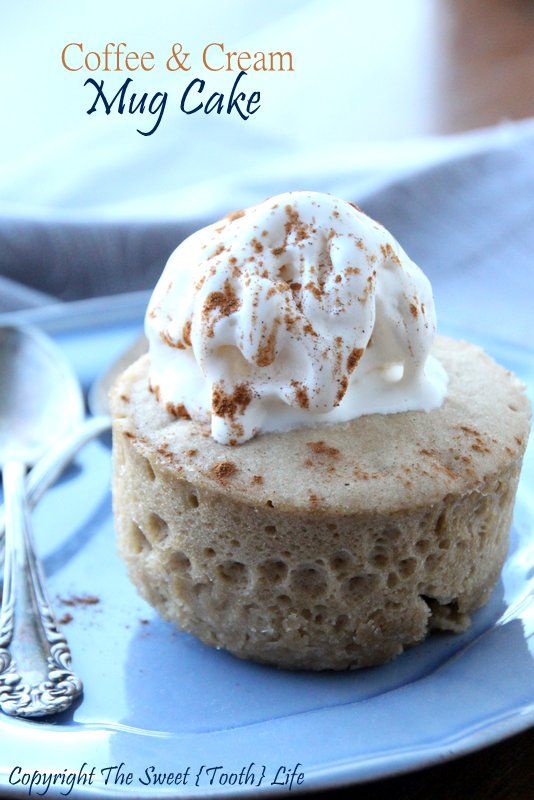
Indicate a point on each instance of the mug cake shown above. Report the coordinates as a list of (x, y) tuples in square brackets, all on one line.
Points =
[(305, 474)]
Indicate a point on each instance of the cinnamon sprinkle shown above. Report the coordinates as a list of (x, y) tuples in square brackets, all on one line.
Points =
[(235, 215), (223, 470), (480, 448), (343, 384), (437, 463), (301, 394), (466, 429), (80, 600), (227, 405), (186, 333), (225, 303), (363, 475), (218, 250), (177, 410), (165, 451), (354, 358), (294, 224), (320, 448), (479, 445), (166, 339), (267, 351), (388, 253), (314, 500)]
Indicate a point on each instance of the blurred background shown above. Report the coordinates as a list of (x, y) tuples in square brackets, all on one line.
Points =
[(376, 110)]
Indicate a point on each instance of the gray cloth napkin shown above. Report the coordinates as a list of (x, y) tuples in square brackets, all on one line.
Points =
[(468, 222), (470, 225)]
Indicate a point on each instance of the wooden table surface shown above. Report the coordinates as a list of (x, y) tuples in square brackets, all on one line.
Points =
[(502, 772), (427, 67), (479, 65)]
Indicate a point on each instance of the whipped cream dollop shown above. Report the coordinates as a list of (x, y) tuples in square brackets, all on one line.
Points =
[(295, 311)]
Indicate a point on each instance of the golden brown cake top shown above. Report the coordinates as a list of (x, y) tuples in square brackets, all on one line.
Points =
[(377, 463)]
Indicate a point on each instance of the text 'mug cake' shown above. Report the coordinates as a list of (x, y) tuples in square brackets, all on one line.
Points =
[(304, 473)]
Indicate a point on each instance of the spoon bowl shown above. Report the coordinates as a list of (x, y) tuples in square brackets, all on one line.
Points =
[(40, 398)]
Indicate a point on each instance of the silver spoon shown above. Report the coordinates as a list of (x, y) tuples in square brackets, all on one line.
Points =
[(40, 401), (51, 465)]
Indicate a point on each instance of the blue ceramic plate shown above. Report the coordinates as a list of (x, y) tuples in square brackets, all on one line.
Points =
[(160, 703)]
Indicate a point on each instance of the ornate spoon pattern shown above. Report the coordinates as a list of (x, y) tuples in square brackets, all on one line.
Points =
[(40, 403)]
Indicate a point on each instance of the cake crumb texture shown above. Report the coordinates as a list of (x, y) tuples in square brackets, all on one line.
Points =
[(397, 526)]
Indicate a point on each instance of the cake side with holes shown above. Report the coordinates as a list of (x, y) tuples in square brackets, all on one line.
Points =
[(325, 548)]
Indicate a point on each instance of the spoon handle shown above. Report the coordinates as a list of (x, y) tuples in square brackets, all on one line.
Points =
[(29, 634), (50, 466)]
